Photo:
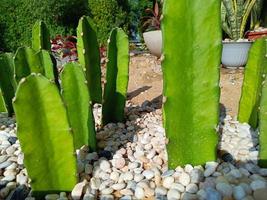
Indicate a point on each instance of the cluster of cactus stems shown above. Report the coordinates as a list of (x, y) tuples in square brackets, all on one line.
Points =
[(235, 15), (67, 96), (191, 80)]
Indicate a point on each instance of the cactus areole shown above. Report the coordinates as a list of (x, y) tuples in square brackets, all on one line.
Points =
[(191, 60)]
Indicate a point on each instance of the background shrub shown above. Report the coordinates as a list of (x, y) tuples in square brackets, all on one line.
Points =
[(107, 14), (18, 16)]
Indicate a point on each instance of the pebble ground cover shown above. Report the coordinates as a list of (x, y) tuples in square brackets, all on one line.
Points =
[(133, 163)]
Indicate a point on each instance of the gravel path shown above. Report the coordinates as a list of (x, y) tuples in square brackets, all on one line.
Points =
[(133, 163)]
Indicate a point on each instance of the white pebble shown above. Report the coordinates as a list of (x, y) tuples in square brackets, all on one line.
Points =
[(184, 179), (239, 193), (139, 193), (167, 182), (173, 194)]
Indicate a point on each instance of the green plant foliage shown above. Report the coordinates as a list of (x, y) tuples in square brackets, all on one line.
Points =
[(255, 71), (2, 103), (117, 77), (77, 100), (18, 16), (28, 61), (191, 79), (40, 36), (107, 14), (89, 57), (48, 146), (7, 81)]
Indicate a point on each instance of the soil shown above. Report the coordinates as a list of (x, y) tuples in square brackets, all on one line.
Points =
[(145, 83)]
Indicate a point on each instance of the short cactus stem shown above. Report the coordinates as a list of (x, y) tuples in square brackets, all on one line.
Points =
[(40, 36)]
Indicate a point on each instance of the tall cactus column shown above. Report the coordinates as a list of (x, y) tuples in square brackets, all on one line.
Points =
[(191, 60)]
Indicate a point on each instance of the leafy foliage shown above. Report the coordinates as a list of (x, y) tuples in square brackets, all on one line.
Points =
[(18, 16), (107, 14)]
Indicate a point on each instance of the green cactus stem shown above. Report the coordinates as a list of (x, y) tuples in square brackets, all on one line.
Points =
[(40, 36), (117, 77), (2, 104), (45, 135), (77, 100), (191, 79), (28, 61), (89, 57), (255, 71), (7, 81)]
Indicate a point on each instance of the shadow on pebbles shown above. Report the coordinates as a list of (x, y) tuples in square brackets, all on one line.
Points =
[(132, 163)]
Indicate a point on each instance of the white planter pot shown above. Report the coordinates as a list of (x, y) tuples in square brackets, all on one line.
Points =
[(235, 54), (153, 40)]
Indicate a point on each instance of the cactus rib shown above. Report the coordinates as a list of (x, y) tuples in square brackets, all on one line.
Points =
[(40, 36)]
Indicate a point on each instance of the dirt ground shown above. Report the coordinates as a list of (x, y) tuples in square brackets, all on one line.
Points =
[(146, 83)]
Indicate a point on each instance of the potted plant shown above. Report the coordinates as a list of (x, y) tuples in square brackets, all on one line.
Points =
[(151, 27), (235, 15)]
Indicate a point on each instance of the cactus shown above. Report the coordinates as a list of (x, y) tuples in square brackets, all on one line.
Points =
[(7, 81), (28, 61), (77, 100), (235, 14), (45, 135), (2, 104), (89, 58), (191, 79), (251, 90), (40, 36), (117, 77)]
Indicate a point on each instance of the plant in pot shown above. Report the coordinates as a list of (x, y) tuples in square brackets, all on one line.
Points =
[(151, 28), (235, 16)]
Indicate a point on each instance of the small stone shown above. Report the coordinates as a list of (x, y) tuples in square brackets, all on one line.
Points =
[(104, 165), (3, 158), (78, 190), (51, 197), (149, 192), (5, 164), (126, 192), (128, 176), (167, 182), (236, 173), (211, 193), (88, 169), (138, 177), (168, 173), (260, 194), (118, 163), (12, 140), (225, 189), (107, 191), (184, 179), (127, 197), (191, 188), (139, 193), (173, 194), (202, 194), (10, 150), (9, 178), (239, 193), (258, 184), (178, 186), (210, 168), (4, 192), (115, 176), (118, 186), (196, 176), (160, 190), (105, 154), (95, 183), (149, 174), (106, 197)]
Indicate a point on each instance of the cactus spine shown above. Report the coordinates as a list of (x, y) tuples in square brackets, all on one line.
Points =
[(89, 58), (47, 146), (77, 100), (117, 77), (255, 71), (7, 81), (40, 36), (191, 79)]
